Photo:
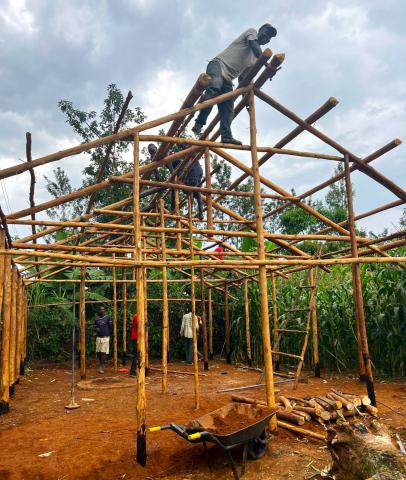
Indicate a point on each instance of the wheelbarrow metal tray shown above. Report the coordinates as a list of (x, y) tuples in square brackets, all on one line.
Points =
[(235, 423)]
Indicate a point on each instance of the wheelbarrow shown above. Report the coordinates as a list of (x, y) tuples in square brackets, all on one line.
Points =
[(229, 427)]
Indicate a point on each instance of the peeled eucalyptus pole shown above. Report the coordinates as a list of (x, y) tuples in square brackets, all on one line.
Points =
[(210, 309), (165, 313), (18, 329), (193, 302), (124, 357), (141, 454), (357, 287), (114, 317), (82, 322), (247, 323), (263, 284), (13, 327), (275, 322), (209, 203), (204, 322), (5, 332), (227, 320), (313, 313)]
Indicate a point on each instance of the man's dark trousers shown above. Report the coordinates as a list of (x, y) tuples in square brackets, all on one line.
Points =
[(218, 86), (189, 349)]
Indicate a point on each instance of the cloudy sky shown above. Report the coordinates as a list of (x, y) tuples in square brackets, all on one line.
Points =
[(352, 50)]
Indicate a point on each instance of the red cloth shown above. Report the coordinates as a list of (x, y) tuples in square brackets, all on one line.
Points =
[(220, 249), (134, 331)]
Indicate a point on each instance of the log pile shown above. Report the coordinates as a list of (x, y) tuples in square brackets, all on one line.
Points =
[(294, 411)]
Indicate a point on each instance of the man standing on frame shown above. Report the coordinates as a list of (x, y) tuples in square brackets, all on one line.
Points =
[(233, 62), (102, 325)]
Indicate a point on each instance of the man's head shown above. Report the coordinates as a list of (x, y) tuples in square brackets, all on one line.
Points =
[(265, 33), (102, 312), (152, 149)]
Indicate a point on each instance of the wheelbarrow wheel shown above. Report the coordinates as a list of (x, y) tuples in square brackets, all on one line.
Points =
[(257, 446)]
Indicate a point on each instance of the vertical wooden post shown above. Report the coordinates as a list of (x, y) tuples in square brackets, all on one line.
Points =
[(357, 287), (124, 357), (25, 327), (275, 322), (263, 285), (113, 270), (146, 322), (165, 314), (5, 337), (313, 313), (227, 319), (193, 300), (140, 285), (18, 328), (209, 202), (211, 354), (82, 322), (247, 323), (178, 224), (203, 310), (13, 327), (22, 327)]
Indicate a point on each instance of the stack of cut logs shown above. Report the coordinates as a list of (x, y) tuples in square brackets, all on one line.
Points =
[(334, 405)]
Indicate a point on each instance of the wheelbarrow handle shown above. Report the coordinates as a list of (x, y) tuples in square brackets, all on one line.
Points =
[(158, 428)]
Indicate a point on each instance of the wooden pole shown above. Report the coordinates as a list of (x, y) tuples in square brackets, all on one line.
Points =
[(114, 316), (22, 327), (263, 285), (5, 336), (124, 357), (204, 321), (313, 313), (165, 313), (18, 328), (208, 185), (211, 354), (82, 322), (194, 319), (247, 323), (13, 327), (227, 320), (146, 322), (275, 322), (141, 397), (357, 286)]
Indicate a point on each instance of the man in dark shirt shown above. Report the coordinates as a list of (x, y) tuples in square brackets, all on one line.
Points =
[(102, 325)]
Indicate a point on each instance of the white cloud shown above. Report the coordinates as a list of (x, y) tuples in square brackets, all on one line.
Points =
[(15, 16)]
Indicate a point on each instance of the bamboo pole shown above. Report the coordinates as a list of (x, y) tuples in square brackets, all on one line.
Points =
[(313, 313), (124, 357), (165, 313), (82, 322), (194, 319), (204, 321), (362, 165), (13, 327), (208, 186), (113, 271), (141, 397), (227, 324), (210, 308), (275, 322), (247, 323), (357, 286), (5, 337), (18, 329), (263, 284), (123, 135)]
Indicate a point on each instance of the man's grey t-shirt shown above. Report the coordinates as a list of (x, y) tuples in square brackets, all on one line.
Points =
[(238, 56)]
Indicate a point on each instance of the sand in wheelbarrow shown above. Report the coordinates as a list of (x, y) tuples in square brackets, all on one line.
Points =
[(231, 418)]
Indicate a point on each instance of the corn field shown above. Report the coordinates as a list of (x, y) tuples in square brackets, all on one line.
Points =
[(384, 290)]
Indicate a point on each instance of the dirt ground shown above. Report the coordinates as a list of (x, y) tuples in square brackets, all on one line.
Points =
[(97, 441)]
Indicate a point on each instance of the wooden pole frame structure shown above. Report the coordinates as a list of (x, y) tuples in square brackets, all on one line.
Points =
[(145, 239)]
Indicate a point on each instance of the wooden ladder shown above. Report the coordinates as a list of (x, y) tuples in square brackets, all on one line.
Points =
[(284, 329)]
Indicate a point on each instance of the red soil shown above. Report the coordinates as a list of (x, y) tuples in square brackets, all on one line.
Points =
[(97, 441)]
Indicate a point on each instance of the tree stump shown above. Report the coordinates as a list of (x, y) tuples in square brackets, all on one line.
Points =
[(364, 451)]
